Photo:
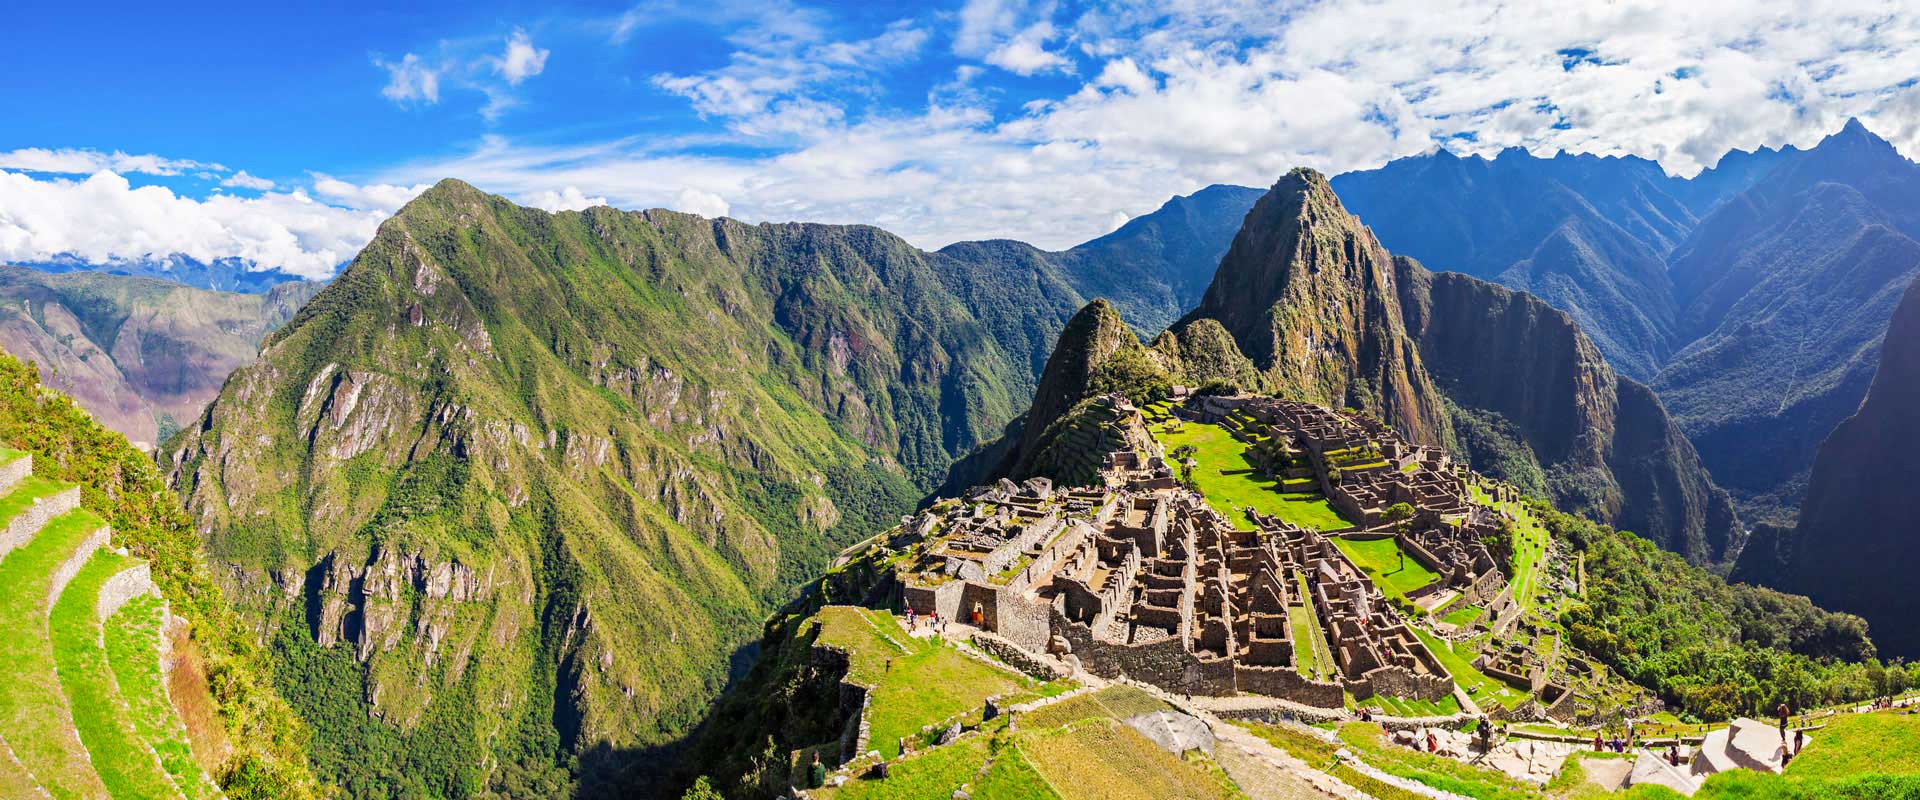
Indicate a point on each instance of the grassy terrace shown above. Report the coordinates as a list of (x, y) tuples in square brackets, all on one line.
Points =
[(916, 682), (33, 710), (1404, 707), (1390, 567), (1484, 690), (1106, 760), (1229, 482), (1311, 655), (125, 764), (1529, 548), (133, 649), (1076, 749)]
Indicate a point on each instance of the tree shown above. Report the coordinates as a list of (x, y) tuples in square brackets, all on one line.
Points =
[(1399, 511), (702, 789)]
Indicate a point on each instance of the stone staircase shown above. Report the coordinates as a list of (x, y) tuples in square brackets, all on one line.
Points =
[(83, 709)]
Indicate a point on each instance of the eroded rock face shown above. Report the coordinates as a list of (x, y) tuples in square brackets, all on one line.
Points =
[(370, 606)]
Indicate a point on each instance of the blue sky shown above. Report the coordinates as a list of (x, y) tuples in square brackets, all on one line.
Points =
[(284, 134)]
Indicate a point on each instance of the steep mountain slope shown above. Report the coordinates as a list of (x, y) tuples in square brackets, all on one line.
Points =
[(1857, 537), (1585, 233), (1326, 314), (143, 355), (1308, 295), (509, 493), (1786, 290)]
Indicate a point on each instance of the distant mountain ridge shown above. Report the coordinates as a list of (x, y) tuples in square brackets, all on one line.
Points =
[(142, 355), (1751, 297), (219, 275)]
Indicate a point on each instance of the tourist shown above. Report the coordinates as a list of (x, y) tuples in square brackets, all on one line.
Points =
[(1782, 711), (1673, 755), (1433, 742), (816, 772), (1799, 739), (1598, 746), (910, 619)]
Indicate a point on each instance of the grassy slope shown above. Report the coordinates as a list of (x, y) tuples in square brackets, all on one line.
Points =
[(34, 713), (1108, 760), (125, 764), (1218, 451), (133, 650), (916, 682), (1477, 685)]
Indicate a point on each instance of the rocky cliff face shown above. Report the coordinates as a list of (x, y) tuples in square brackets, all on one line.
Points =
[(1323, 311), (516, 485), (1857, 537), (143, 355), (1309, 296)]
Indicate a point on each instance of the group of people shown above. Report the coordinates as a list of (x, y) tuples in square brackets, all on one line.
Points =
[(932, 619)]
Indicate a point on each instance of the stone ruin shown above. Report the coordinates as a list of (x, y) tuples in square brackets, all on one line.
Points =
[(1139, 577)]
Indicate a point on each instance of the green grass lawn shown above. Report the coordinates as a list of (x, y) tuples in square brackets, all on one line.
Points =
[(133, 650), (1382, 560), (1464, 615), (1857, 744), (33, 708), (1404, 707), (1438, 772), (935, 773), (1478, 686), (1216, 451), (1318, 753), (1310, 655), (916, 682), (125, 764)]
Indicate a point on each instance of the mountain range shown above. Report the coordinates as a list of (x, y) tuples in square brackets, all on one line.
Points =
[(1751, 297), (143, 355)]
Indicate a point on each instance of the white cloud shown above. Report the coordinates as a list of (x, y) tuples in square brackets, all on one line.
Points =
[(385, 198), (567, 199), (242, 180), (71, 161), (1026, 53), (410, 79), (776, 85), (521, 60), (104, 219), (1011, 35), (706, 204)]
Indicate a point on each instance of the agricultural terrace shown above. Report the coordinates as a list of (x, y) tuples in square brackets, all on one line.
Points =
[(1074, 749), (1230, 482), (916, 681)]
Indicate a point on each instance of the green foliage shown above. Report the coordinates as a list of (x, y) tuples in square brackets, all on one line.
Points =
[(118, 481), (1713, 649)]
